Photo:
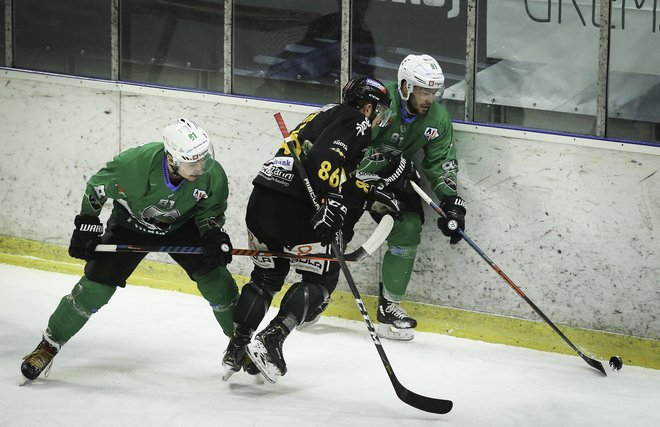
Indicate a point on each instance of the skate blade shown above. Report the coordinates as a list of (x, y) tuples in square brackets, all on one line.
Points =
[(228, 372), (257, 353), (390, 332)]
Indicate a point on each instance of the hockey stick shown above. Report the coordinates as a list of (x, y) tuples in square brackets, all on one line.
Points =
[(591, 362), (369, 247), (428, 404)]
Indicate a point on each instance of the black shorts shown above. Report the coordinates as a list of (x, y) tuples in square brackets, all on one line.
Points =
[(282, 221), (278, 219), (113, 269)]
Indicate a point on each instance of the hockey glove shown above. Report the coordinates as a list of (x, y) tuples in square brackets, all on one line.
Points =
[(85, 237), (217, 247), (454, 208), (398, 174), (383, 202), (328, 220)]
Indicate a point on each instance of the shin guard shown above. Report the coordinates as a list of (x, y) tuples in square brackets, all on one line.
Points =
[(218, 287), (75, 309)]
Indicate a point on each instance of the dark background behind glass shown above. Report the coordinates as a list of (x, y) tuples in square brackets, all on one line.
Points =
[(287, 49), (2, 32), (399, 29), (176, 43), (63, 36)]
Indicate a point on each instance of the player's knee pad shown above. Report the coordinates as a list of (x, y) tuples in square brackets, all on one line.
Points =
[(269, 280), (407, 231), (88, 296), (218, 287), (305, 300), (253, 304)]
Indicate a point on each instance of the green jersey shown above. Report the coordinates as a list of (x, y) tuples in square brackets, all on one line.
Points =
[(406, 135), (144, 199)]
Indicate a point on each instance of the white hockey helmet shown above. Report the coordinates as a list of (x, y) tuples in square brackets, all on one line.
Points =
[(422, 71), (189, 146)]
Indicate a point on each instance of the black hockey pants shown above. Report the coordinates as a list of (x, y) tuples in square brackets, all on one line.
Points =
[(281, 221)]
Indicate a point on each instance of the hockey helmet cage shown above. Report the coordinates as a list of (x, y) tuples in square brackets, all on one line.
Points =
[(422, 71)]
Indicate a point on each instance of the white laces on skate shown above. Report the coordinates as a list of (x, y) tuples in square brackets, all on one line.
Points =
[(396, 310)]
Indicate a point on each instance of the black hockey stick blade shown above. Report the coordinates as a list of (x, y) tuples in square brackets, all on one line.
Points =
[(593, 363), (424, 403)]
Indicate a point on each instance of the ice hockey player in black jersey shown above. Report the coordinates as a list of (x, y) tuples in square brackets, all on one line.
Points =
[(280, 216)]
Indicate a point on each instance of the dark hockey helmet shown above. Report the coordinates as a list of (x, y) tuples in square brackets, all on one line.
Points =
[(362, 90)]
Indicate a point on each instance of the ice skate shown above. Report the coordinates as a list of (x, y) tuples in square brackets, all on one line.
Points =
[(393, 321), (235, 356), (266, 351), (39, 360)]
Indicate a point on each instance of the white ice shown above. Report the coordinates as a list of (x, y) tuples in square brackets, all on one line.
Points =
[(152, 358)]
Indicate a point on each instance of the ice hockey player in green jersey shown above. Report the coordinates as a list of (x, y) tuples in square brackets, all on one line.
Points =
[(419, 127), (170, 193)]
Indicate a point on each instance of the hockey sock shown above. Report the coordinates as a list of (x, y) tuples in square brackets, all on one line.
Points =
[(398, 264), (399, 259), (218, 287), (75, 309)]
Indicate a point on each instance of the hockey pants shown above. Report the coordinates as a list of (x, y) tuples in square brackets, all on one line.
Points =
[(286, 224)]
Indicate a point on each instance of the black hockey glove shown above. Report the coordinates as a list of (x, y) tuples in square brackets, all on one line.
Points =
[(398, 174), (454, 208), (217, 247), (328, 220), (383, 202), (85, 237)]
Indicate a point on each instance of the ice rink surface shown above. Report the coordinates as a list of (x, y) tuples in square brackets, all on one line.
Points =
[(152, 358)]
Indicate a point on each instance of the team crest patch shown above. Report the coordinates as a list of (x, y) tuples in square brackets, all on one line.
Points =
[(199, 194), (430, 133)]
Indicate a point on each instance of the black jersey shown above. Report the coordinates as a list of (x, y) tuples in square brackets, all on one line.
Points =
[(332, 142)]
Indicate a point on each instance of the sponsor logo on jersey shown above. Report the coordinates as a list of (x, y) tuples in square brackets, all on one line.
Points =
[(199, 194), (276, 174), (283, 162), (339, 143), (431, 133), (362, 126)]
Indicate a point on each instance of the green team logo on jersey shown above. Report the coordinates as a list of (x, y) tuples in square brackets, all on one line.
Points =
[(162, 220), (153, 219)]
